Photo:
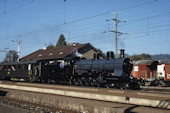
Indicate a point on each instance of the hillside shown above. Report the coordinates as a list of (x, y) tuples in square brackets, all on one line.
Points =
[(161, 56), (154, 57)]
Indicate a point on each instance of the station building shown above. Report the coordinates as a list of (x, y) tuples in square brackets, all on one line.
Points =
[(69, 52)]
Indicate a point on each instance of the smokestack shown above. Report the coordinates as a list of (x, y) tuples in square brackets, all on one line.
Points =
[(122, 53), (110, 55), (96, 56)]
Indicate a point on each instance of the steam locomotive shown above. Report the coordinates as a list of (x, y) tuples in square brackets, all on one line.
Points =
[(109, 72)]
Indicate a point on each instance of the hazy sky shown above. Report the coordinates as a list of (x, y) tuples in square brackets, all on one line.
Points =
[(40, 22)]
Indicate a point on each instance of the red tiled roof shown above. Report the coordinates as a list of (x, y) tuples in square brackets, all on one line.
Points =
[(53, 53)]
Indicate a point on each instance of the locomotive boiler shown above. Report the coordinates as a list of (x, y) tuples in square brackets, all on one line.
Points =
[(110, 72)]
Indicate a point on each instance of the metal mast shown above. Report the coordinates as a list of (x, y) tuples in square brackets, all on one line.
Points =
[(116, 31), (18, 49)]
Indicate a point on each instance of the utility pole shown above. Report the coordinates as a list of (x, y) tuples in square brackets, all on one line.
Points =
[(19, 42), (116, 31), (12, 52), (6, 50), (18, 49)]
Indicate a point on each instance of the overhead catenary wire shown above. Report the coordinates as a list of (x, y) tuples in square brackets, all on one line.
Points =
[(35, 13), (145, 34), (153, 16), (65, 11), (85, 17), (80, 35), (88, 27), (149, 17), (137, 5), (142, 36), (82, 30), (77, 34), (5, 7), (155, 23), (16, 8)]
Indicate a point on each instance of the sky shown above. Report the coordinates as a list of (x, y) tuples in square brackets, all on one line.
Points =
[(145, 24)]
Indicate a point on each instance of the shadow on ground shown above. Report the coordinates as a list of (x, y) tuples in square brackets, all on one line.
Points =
[(129, 110), (3, 93)]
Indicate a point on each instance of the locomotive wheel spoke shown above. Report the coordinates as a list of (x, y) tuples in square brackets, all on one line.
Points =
[(74, 82), (71, 81), (92, 84), (80, 82), (85, 83), (98, 85)]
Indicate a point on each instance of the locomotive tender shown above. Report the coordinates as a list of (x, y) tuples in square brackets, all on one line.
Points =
[(108, 72)]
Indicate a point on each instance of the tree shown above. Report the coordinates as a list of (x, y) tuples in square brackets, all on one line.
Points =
[(146, 56), (61, 41), (99, 50), (135, 57), (11, 56), (77, 43), (50, 46), (141, 57)]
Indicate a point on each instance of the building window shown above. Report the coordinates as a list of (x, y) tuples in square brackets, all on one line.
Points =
[(61, 53), (39, 55), (50, 54)]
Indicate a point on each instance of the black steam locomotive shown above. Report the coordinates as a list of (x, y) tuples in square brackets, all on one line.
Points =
[(108, 72)]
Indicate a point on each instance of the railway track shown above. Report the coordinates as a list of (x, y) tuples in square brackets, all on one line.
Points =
[(162, 90), (152, 91), (33, 107), (143, 88), (78, 95)]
